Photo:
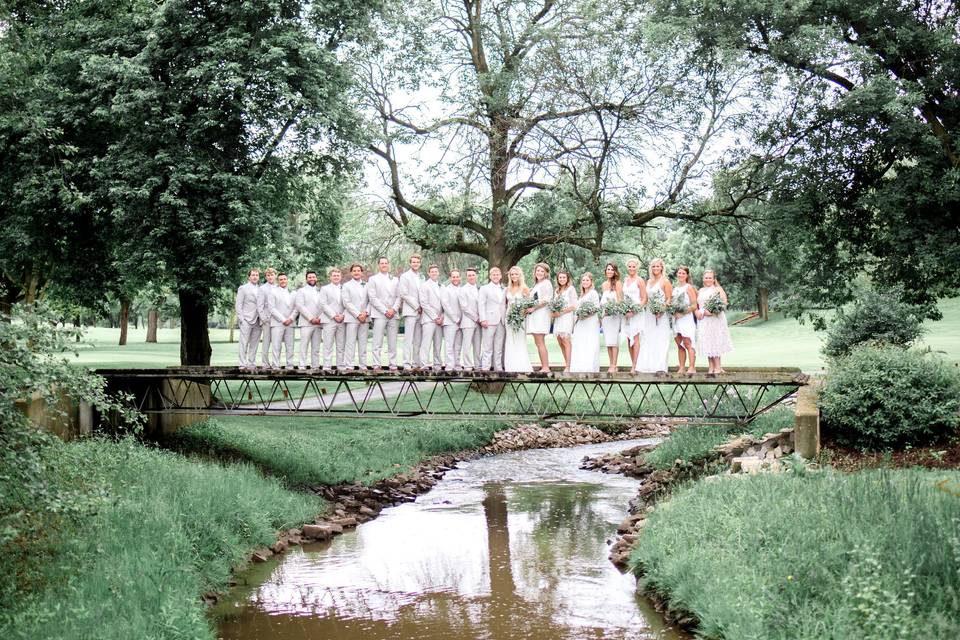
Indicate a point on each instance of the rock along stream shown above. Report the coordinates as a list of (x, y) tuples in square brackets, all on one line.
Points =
[(512, 546)]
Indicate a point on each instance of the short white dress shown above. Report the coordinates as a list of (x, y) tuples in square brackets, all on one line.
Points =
[(685, 325), (714, 339), (585, 350), (539, 320), (632, 327), (515, 355), (563, 325), (657, 338), (611, 324)]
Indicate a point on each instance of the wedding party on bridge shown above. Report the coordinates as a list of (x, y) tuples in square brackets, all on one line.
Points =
[(480, 320)]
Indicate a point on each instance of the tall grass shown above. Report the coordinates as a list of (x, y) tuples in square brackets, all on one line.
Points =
[(306, 451), (693, 443), (871, 555), (156, 532)]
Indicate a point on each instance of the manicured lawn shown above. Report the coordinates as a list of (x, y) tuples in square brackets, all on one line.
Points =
[(779, 342), (819, 555)]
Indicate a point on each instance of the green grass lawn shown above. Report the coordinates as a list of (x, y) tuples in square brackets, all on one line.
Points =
[(811, 556), (779, 342)]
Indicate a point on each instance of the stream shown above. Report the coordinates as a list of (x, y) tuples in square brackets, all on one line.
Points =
[(512, 546)]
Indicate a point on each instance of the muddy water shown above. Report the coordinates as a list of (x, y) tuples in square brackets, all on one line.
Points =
[(508, 547)]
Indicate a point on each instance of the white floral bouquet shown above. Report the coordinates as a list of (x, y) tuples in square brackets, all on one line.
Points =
[(631, 306), (557, 304), (715, 304), (657, 303), (586, 310), (612, 308), (517, 313)]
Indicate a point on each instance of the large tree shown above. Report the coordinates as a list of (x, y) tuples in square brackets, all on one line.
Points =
[(872, 182), (479, 105)]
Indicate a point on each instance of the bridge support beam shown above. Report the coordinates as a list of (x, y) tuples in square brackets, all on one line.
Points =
[(806, 432)]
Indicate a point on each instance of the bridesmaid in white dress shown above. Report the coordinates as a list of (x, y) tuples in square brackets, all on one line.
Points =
[(684, 326), (612, 292), (634, 288), (585, 351), (714, 334), (563, 319), (538, 319), (656, 328), (515, 355)]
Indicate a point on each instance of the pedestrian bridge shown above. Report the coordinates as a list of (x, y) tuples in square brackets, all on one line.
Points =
[(194, 392)]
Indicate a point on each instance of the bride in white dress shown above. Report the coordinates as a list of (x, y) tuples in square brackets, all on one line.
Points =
[(585, 351), (538, 320), (684, 326), (515, 355), (657, 332)]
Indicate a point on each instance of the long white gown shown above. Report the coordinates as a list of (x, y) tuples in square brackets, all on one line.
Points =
[(657, 338), (632, 326), (539, 320), (585, 349), (516, 358)]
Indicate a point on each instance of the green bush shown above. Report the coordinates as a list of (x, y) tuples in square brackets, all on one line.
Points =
[(873, 317), (889, 397)]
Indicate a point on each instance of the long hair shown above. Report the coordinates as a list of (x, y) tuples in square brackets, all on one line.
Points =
[(716, 282), (546, 270), (686, 270), (589, 275), (663, 267), (521, 284), (569, 280), (616, 273)]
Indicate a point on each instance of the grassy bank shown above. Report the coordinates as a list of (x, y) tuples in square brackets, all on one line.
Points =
[(141, 535), (309, 451), (820, 555)]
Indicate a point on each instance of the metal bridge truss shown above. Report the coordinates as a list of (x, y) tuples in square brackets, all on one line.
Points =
[(738, 396)]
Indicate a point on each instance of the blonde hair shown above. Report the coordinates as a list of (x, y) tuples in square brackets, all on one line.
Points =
[(585, 274), (335, 270), (663, 267), (521, 284), (546, 270), (270, 271), (716, 282)]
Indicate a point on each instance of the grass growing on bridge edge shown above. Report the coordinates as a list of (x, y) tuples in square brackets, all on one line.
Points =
[(809, 556), (306, 451), (154, 531)]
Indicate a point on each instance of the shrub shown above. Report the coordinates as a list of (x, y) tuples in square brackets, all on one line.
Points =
[(874, 317), (881, 397)]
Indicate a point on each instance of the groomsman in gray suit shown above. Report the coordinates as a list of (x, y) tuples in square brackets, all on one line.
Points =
[(409, 290), (385, 311), (491, 309), (264, 300), (248, 319), (470, 322), (356, 303), (283, 315), (431, 320), (307, 302), (452, 316), (332, 316)]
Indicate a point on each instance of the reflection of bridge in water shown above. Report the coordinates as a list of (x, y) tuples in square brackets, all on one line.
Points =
[(737, 396)]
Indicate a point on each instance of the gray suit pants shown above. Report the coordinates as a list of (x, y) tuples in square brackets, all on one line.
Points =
[(470, 353), (265, 350), (334, 334), (411, 341), (492, 347), (452, 339), (249, 341), (390, 326), (431, 336), (310, 340), (281, 336), (356, 344)]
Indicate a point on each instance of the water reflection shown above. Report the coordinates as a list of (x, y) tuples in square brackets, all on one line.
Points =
[(506, 547)]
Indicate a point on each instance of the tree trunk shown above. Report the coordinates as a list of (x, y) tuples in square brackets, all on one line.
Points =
[(502, 586), (136, 321), (194, 336), (124, 320), (77, 325), (153, 319), (763, 303), (233, 323)]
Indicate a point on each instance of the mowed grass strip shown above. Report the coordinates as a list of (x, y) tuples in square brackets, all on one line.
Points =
[(157, 531), (310, 451), (810, 556)]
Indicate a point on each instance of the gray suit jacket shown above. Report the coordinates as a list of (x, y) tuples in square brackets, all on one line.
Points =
[(247, 309), (409, 291), (450, 299), (382, 293), (469, 296), (355, 301), (430, 301), (492, 304), (331, 302), (307, 301), (265, 301), (282, 306)]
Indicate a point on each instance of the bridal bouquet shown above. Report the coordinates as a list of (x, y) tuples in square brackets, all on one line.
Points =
[(715, 304), (657, 303), (517, 313), (612, 308), (631, 306), (586, 310), (557, 304)]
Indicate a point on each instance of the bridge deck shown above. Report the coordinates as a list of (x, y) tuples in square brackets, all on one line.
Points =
[(739, 395)]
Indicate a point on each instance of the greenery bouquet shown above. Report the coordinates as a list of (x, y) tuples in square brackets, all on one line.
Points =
[(715, 304), (586, 310), (612, 308), (517, 313), (557, 304), (631, 306), (657, 303)]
